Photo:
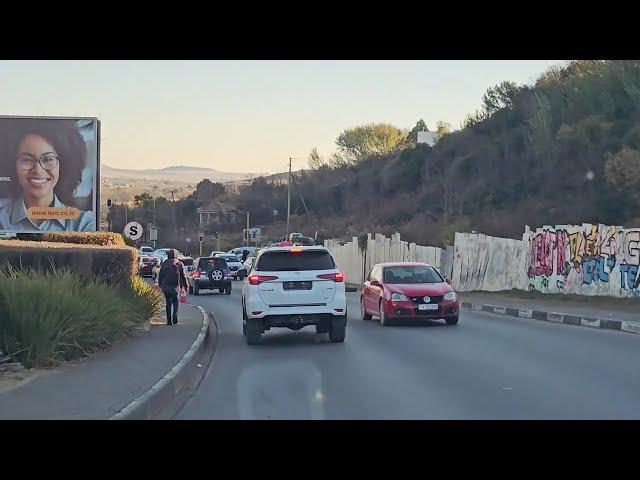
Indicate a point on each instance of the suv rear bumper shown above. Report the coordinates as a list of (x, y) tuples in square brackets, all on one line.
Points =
[(288, 321), (206, 284)]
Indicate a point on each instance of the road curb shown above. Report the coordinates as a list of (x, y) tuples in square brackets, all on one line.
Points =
[(556, 317), (169, 394)]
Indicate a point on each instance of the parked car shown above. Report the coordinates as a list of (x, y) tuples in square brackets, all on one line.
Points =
[(216, 252), (408, 291), (238, 251), (145, 265), (161, 254), (243, 272), (144, 250), (233, 262), (209, 273), (164, 252), (293, 287), (187, 264)]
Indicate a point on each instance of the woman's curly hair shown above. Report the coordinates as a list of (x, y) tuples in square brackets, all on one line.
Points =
[(65, 138)]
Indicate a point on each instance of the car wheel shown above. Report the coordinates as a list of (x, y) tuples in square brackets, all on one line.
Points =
[(323, 327), (254, 331), (363, 313), (191, 289), (381, 315), (221, 290), (228, 290), (196, 290), (452, 320), (338, 329)]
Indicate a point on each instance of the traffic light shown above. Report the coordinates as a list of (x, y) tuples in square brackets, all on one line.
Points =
[(201, 236)]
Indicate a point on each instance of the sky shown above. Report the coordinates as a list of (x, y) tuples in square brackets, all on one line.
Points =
[(247, 116)]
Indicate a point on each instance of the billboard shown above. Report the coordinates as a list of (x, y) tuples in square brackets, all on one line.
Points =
[(49, 169)]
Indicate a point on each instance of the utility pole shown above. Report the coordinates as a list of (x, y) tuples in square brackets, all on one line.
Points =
[(246, 236), (288, 198), (175, 222)]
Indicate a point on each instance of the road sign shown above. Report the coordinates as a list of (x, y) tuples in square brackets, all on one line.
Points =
[(254, 234), (133, 230)]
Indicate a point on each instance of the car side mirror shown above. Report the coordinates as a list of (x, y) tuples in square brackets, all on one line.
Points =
[(448, 280)]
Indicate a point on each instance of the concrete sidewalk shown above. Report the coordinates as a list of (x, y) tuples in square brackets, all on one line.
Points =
[(100, 386), (575, 307), (611, 314)]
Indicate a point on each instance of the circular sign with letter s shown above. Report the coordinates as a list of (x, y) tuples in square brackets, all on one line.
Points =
[(133, 230)]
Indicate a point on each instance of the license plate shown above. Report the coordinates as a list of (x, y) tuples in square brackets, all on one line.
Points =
[(297, 286), (428, 306)]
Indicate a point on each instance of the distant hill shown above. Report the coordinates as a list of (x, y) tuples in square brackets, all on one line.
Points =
[(181, 174)]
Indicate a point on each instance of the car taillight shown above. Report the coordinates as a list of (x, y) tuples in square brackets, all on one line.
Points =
[(337, 277), (258, 279)]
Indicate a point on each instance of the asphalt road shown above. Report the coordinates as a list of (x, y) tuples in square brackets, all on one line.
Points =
[(486, 367)]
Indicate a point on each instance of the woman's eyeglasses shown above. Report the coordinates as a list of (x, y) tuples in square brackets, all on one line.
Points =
[(48, 161)]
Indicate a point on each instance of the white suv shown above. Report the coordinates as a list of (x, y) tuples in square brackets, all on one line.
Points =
[(293, 287)]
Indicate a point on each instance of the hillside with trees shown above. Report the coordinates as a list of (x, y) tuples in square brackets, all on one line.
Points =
[(565, 149)]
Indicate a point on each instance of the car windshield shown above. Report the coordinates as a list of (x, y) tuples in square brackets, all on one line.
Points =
[(412, 274), (292, 261)]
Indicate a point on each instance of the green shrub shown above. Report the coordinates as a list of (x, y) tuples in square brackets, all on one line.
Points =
[(143, 297), (49, 318)]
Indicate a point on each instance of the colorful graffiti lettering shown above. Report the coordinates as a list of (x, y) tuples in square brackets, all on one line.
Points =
[(582, 259)]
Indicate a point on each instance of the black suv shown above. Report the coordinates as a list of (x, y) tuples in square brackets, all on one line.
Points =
[(209, 273)]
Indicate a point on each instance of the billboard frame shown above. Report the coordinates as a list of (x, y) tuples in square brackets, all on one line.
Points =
[(96, 175)]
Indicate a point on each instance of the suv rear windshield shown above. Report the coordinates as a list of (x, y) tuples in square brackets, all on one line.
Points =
[(211, 263), (288, 261), (412, 274)]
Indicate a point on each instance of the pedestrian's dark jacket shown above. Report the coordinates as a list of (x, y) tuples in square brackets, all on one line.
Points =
[(168, 262)]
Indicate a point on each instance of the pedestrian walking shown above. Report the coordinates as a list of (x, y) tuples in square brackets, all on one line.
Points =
[(170, 279)]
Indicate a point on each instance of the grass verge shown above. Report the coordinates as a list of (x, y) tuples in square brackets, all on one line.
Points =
[(58, 316)]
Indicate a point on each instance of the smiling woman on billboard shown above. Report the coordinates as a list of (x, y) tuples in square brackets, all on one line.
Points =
[(45, 160)]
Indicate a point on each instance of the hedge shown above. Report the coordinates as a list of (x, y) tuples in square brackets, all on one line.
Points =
[(85, 238), (114, 264)]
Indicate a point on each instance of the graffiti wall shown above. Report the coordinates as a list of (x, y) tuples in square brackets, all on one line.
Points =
[(356, 262), (589, 259), (482, 262)]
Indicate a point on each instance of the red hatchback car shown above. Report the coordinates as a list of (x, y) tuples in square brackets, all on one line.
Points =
[(408, 291)]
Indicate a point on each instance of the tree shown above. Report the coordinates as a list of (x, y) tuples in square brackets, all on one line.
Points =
[(206, 190), (500, 96), (355, 144), (316, 162), (472, 119), (442, 129), (623, 169), (143, 200), (413, 134)]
